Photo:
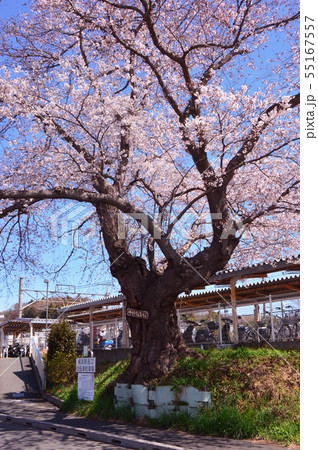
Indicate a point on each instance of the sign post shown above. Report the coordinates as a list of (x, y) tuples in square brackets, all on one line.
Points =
[(85, 368)]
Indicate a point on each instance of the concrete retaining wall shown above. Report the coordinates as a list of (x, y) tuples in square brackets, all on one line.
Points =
[(111, 355), (154, 403)]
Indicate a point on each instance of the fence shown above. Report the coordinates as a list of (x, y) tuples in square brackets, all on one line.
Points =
[(260, 323), (216, 326), (38, 362), (107, 335)]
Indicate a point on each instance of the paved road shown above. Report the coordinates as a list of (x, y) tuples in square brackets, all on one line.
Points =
[(17, 437), (16, 377)]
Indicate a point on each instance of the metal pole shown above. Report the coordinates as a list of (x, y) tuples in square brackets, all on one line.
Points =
[(123, 340), (234, 310), (91, 328), (116, 332), (282, 307), (272, 318), (20, 297), (47, 310), (220, 323), (257, 318), (31, 339)]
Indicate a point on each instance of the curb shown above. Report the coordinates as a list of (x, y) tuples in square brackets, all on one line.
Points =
[(109, 438)]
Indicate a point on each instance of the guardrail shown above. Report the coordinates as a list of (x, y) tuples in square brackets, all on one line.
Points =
[(38, 362)]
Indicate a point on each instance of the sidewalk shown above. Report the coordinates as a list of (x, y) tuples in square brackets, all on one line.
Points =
[(40, 414)]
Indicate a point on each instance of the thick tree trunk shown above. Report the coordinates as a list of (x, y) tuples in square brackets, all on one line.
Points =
[(157, 343)]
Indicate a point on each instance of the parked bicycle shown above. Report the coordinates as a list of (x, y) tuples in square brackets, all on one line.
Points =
[(247, 334), (260, 333), (296, 325), (189, 333), (289, 325), (226, 330), (202, 332), (206, 332)]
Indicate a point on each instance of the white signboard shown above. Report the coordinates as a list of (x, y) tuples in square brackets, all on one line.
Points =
[(137, 313), (85, 386), (85, 365)]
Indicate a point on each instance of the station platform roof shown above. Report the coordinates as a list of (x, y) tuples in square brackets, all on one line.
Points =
[(23, 325), (283, 288), (260, 270)]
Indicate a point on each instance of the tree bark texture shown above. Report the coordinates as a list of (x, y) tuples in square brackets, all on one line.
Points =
[(157, 343)]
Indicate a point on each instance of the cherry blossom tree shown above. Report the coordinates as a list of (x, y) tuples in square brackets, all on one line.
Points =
[(177, 121)]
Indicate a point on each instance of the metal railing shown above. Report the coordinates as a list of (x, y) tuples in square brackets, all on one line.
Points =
[(38, 362), (214, 327)]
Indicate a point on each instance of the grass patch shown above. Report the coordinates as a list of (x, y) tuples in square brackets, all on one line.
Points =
[(228, 421), (243, 377), (102, 407), (255, 394)]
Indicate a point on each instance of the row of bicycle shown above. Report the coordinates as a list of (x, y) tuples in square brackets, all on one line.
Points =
[(275, 329), (272, 328)]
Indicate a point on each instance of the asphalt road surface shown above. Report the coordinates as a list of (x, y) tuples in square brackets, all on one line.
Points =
[(17, 437), (16, 377)]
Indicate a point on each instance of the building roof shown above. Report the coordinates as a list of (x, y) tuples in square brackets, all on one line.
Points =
[(101, 315), (105, 301), (282, 288), (256, 270), (22, 325)]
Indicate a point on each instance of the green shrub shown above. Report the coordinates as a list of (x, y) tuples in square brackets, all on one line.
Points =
[(61, 339), (61, 368), (61, 355)]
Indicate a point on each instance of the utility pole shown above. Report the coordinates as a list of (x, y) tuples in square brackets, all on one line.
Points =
[(47, 310), (20, 297)]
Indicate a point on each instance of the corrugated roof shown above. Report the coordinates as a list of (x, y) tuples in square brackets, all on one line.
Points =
[(281, 288), (28, 320), (100, 302), (269, 266), (23, 324), (255, 270), (274, 262), (265, 282)]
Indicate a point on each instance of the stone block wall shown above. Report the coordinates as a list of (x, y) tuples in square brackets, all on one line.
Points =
[(154, 403)]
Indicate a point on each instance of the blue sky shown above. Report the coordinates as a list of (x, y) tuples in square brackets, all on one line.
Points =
[(10, 8)]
